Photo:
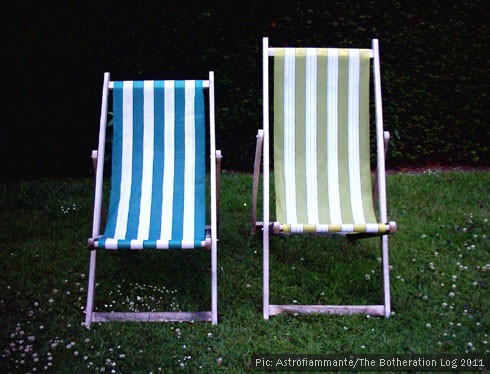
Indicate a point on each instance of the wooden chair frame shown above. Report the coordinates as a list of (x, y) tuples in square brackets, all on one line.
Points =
[(100, 216), (270, 228)]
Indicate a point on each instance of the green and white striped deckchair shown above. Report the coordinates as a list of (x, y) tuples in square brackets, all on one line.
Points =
[(158, 192), (322, 155)]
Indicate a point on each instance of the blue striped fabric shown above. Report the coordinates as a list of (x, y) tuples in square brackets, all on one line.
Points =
[(158, 167)]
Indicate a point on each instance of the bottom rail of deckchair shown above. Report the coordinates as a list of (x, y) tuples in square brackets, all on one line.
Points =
[(150, 316), (373, 310), (276, 229)]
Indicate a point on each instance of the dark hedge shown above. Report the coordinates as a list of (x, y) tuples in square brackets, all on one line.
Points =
[(434, 61)]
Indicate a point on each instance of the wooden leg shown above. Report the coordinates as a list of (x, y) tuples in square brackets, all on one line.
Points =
[(91, 290), (214, 284), (255, 185), (266, 306), (386, 275), (92, 267), (214, 248)]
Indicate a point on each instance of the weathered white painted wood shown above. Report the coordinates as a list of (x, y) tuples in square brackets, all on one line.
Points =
[(379, 134), (381, 175), (386, 136), (214, 199), (205, 84), (271, 52), (373, 310), (265, 113), (103, 211), (99, 177), (151, 316), (386, 276), (218, 185)]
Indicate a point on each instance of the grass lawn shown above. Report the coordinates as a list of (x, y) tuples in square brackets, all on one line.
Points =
[(440, 283)]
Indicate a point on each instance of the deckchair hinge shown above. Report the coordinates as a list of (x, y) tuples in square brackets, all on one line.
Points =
[(91, 243)]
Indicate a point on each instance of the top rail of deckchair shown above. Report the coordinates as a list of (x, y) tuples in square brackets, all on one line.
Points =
[(271, 51), (349, 198), (205, 84)]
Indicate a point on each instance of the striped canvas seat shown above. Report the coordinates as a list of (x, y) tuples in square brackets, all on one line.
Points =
[(157, 196), (321, 141)]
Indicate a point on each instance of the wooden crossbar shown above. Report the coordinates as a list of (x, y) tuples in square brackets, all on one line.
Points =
[(151, 316), (205, 84), (373, 310), (271, 52)]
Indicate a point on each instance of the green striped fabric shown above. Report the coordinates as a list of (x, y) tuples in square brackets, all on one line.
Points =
[(321, 140)]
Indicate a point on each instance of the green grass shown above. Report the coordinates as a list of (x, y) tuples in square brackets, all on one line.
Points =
[(440, 283)]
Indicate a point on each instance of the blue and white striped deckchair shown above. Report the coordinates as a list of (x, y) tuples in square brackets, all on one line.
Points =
[(158, 192), (321, 155)]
